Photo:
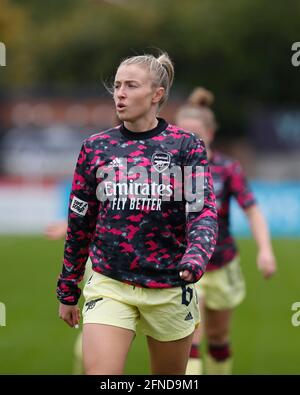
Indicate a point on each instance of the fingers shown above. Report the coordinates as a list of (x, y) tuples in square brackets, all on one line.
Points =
[(269, 272), (186, 275), (68, 319), (76, 318), (266, 263), (268, 268), (70, 314)]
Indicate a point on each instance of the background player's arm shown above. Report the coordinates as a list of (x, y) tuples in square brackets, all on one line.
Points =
[(266, 262), (56, 230)]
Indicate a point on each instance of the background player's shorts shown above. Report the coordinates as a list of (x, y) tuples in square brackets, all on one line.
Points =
[(223, 288), (164, 314)]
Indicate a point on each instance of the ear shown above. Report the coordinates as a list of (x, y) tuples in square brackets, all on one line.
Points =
[(158, 94)]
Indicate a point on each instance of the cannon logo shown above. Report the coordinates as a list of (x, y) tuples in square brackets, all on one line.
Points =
[(161, 161)]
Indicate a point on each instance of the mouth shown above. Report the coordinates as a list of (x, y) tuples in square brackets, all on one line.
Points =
[(120, 107)]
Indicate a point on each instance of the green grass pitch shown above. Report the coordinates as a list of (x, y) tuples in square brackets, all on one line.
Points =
[(35, 341)]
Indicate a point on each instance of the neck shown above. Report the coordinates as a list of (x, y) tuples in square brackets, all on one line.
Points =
[(141, 125), (209, 153)]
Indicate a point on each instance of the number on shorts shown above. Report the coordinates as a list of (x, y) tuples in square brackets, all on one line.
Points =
[(187, 295)]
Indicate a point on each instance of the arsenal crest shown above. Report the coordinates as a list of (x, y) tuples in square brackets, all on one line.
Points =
[(161, 161)]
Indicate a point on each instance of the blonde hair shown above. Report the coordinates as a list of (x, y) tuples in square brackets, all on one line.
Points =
[(197, 107), (161, 68)]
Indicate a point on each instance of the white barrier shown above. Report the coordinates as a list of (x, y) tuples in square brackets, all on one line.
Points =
[(26, 208)]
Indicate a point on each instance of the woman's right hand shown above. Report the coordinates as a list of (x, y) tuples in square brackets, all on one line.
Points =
[(70, 314)]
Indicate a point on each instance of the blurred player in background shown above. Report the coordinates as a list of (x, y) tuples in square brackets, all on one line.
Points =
[(222, 287), (147, 248)]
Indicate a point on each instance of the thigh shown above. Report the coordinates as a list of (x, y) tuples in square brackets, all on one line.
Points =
[(199, 330), (105, 348), (109, 324), (169, 357), (217, 325)]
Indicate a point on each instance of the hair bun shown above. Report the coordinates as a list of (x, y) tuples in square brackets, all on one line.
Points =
[(201, 97)]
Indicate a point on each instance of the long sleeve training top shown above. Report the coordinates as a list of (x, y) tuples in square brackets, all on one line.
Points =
[(133, 209)]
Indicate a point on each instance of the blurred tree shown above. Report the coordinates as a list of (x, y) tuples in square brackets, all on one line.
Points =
[(241, 50), (44, 12), (14, 26)]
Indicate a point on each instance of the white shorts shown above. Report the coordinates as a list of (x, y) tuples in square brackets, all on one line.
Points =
[(223, 288), (165, 314)]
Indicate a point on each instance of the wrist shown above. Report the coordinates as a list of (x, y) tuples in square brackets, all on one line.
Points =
[(265, 248)]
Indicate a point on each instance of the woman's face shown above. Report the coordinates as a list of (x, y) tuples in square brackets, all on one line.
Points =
[(197, 126), (134, 95)]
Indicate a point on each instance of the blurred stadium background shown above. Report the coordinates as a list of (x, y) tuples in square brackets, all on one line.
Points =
[(58, 53)]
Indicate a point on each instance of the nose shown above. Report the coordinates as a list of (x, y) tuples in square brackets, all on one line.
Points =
[(121, 92)]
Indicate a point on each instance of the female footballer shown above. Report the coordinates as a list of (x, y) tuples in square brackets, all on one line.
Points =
[(142, 208), (222, 288)]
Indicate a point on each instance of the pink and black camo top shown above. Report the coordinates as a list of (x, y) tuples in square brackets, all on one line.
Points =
[(229, 181), (137, 236)]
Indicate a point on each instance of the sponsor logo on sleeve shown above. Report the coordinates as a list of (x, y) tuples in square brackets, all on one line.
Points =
[(79, 206)]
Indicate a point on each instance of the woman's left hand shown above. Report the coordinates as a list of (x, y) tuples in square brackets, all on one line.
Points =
[(186, 276)]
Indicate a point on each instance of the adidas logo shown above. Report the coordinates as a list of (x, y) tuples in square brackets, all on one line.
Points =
[(189, 317), (114, 163)]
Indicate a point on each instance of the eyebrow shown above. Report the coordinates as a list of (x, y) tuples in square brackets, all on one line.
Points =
[(127, 81)]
